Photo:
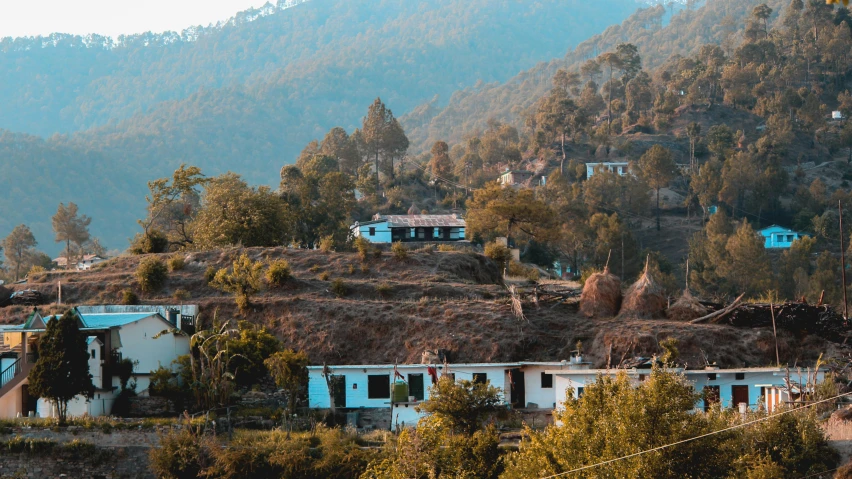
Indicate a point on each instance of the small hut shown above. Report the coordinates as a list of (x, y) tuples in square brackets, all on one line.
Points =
[(645, 298), (601, 296), (686, 308)]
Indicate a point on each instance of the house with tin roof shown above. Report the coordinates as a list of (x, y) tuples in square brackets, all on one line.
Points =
[(142, 334), (779, 237), (410, 228)]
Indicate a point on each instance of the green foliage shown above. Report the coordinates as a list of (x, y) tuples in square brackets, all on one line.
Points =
[(499, 254), (151, 274), (182, 455), (128, 297), (181, 294), (399, 251), (244, 280), (339, 288), (210, 274), (363, 247), (152, 242), (176, 263), (249, 348), (384, 289), (324, 276), (18, 248), (278, 273), (289, 369), (62, 370), (520, 270), (462, 405)]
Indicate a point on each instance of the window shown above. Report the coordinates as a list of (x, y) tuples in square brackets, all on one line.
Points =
[(93, 354), (789, 238), (711, 376), (372, 231), (579, 393), (641, 377), (378, 386), (546, 380), (415, 386), (739, 376), (480, 378)]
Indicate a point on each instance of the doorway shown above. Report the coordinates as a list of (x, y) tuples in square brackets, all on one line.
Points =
[(739, 394), (518, 391)]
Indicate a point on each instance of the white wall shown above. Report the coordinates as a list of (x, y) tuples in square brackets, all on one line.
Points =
[(138, 344), (10, 403)]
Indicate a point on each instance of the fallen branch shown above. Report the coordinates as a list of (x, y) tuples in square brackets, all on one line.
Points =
[(721, 313)]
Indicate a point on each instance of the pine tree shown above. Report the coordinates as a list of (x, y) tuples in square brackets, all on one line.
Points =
[(18, 246), (658, 169), (62, 370), (70, 227)]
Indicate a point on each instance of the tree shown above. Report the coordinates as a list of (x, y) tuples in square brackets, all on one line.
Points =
[(18, 248), (383, 136), (62, 370), (244, 279), (290, 371), (693, 131), (613, 60), (762, 13), (464, 405), (558, 116), (748, 269), (250, 348), (340, 146), (657, 167), (172, 204), (719, 140), (494, 210), (70, 227), (440, 163)]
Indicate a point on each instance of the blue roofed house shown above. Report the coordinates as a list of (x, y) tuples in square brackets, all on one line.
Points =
[(113, 333), (410, 228), (779, 237)]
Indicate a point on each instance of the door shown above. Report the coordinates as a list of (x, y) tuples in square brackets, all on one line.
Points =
[(415, 386), (338, 390), (739, 394), (711, 396), (518, 392)]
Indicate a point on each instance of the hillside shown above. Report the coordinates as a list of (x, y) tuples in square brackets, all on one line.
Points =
[(245, 95), (447, 300)]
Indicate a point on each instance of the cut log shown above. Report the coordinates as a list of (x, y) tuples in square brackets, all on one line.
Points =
[(721, 313)]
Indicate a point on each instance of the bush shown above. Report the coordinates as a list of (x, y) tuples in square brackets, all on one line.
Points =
[(152, 275), (210, 274), (339, 288), (400, 252), (447, 248), (176, 263), (128, 297), (244, 280), (153, 242), (326, 244), (384, 289), (278, 272), (324, 276), (36, 269), (520, 270), (499, 254), (181, 295), (182, 455), (363, 247)]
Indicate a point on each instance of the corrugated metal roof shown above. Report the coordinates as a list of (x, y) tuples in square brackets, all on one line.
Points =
[(109, 320), (414, 221)]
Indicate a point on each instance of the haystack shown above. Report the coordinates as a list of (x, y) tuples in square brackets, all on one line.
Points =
[(644, 299), (601, 296), (686, 308)]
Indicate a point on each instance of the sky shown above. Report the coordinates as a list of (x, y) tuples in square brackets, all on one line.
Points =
[(113, 17)]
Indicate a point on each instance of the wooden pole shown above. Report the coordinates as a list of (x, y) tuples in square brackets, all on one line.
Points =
[(775, 335), (843, 263)]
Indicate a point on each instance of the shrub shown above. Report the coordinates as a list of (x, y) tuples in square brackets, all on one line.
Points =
[(447, 248), (363, 247), (181, 295), (152, 275), (351, 269), (182, 455), (210, 274), (37, 269), (517, 269), (314, 268), (278, 272), (153, 242), (400, 252), (244, 280), (324, 276), (384, 289), (176, 263), (326, 244), (128, 297), (339, 288), (499, 254)]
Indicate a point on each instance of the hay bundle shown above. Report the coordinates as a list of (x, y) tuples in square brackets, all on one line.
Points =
[(645, 298), (686, 308), (601, 296)]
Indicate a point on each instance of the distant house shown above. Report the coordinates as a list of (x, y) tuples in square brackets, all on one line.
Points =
[(779, 237), (85, 263), (410, 228), (113, 333), (515, 178), (621, 167)]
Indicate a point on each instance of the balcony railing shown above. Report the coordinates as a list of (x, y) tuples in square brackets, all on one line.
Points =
[(13, 370)]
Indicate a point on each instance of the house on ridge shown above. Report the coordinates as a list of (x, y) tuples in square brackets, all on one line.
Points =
[(410, 228), (779, 237), (515, 178)]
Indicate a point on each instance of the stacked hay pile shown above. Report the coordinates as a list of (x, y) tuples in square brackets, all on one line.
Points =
[(601, 296), (686, 308), (644, 299)]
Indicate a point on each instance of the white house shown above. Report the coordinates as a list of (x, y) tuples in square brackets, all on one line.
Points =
[(524, 385), (621, 168), (515, 178), (410, 228), (779, 237), (85, 263), (138, 333)]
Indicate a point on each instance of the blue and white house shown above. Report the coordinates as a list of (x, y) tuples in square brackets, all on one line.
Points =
[(533, 385), (779, 237), (410, 228), (620, 168)]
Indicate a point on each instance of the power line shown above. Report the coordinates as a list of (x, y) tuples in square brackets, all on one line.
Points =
[(702, 436)]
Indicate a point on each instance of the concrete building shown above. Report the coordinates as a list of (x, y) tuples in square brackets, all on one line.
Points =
[(779, 237), (621, 168), (411, 228)]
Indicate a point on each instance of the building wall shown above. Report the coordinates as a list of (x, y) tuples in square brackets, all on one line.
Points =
[(383, 233), (10, 403), (138, 344)]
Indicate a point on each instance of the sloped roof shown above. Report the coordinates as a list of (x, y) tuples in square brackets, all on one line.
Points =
[(413, 221), (776, 229), (109, 320)]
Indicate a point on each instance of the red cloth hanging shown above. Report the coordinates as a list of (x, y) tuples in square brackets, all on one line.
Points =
[(433, 373)]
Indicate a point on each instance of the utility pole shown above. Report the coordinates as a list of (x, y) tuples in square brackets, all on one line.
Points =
[(843, 263)]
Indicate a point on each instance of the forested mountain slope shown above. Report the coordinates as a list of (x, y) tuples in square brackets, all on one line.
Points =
[(717, 21), (246, 95)]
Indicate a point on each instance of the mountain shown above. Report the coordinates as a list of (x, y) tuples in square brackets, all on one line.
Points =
[(245, 95)]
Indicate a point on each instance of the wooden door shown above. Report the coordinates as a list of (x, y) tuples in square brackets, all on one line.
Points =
[(739, 394), (518, 396)]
